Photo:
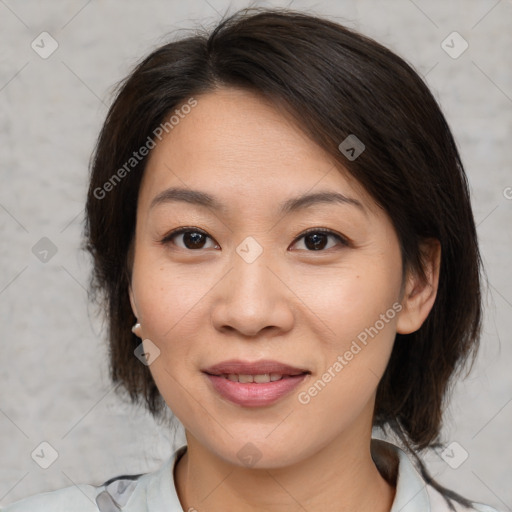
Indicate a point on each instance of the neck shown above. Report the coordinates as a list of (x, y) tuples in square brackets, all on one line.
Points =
[(341, 476)]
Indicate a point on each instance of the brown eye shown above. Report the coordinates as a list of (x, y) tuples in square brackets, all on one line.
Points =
[(318, 239), (187, 238), (194, 240)]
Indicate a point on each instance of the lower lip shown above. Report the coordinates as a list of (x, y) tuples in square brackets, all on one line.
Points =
[(248, 394)]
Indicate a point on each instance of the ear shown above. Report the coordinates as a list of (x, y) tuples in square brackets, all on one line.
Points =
[(136, 329), (419, 294)]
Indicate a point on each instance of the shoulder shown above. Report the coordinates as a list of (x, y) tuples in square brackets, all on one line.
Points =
[(80, 498), (438, 503), (413, 494), (127, 493), (119, 493)]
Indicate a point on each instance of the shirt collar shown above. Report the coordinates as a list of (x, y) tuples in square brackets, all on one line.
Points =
[(411, 491)]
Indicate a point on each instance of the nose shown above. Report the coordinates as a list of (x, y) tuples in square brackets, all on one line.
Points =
[(252, 299)]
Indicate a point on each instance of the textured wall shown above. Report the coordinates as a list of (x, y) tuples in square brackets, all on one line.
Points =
[(53, 368)]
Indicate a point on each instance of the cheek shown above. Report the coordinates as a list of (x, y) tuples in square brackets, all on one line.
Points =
[(351, 369), (351, 298), (169, 303), (168, 297), (357, 311)]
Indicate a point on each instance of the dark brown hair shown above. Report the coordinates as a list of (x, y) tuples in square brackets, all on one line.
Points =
[(334, 82)]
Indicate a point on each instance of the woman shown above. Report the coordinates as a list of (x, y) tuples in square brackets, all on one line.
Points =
[(283, 240)]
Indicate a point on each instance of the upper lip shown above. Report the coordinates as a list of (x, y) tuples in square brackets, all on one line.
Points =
[(235, 366)]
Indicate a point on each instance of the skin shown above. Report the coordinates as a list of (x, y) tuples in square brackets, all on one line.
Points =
[(296, 305)]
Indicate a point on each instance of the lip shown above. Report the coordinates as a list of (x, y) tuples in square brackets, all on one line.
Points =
[(254, 368), (247, 394)]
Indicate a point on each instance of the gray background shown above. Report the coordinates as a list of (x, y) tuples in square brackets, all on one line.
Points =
[(53, 367)]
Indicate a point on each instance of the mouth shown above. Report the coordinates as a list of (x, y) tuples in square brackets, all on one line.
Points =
[(254, 384), (257, 379)]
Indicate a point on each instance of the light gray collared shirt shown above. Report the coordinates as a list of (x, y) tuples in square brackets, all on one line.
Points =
[(156, 492)]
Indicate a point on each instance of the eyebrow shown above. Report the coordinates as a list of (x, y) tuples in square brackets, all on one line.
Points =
[(196, 197)]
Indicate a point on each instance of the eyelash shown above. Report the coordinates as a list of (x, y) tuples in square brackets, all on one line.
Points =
[(169, 236)]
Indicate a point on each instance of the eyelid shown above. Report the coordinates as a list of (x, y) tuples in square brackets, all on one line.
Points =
[(183, 229)]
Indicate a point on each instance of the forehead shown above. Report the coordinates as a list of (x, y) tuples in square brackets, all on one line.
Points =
[(235, 143)]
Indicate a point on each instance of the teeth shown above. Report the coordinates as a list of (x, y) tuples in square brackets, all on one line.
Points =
[(259, 379)]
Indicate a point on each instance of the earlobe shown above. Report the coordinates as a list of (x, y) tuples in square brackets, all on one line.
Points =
[(420, 294), (136, 329)]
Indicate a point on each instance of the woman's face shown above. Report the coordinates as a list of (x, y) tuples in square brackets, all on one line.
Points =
[(245, 283)]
